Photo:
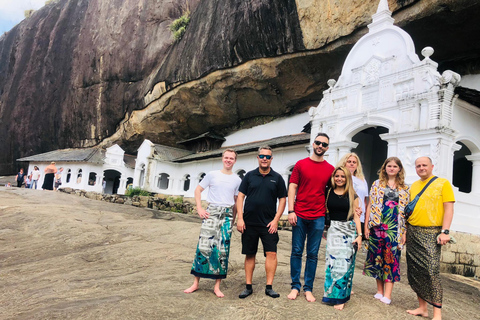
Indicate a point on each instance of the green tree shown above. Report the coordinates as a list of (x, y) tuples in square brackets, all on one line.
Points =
[(179, 26)]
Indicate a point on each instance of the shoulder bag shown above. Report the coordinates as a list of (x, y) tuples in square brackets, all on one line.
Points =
[(411, 205)]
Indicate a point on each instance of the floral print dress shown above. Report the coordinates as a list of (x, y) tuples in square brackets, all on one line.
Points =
[(383, 256)]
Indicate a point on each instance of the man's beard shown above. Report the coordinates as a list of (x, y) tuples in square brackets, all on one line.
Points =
[(321, 153)]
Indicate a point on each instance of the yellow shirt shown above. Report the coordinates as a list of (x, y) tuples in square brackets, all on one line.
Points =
[(429, 209)]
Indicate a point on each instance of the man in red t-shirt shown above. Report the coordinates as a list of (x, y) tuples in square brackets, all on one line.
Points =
[(306, 213)]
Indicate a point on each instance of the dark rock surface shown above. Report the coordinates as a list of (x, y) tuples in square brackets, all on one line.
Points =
[(75, 68), (73, 73)]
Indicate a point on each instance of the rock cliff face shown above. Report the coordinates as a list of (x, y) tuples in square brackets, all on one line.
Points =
[(78, 72), (75, 68)]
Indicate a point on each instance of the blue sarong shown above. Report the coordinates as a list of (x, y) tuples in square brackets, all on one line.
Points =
[(340, 262)]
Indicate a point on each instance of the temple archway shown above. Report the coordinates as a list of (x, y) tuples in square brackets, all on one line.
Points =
[(462, 169), (112, 181), (372, 151)]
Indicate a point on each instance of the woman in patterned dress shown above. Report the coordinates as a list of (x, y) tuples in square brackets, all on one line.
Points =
[(344, 237), (385, 230)]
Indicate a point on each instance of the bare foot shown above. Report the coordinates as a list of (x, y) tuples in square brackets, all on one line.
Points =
[(293, 294), (193, 288), (418, 312), (218, 293), (309, 296), (339, 306)]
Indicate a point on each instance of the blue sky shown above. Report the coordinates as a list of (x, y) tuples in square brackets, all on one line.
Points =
[(11, 12)]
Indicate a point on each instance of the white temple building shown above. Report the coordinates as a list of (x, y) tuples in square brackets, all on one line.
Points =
[(388, 102), (91, 169)]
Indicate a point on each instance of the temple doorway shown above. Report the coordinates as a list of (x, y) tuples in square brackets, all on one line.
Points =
[(462, 169), (372, 151), (112, 181)]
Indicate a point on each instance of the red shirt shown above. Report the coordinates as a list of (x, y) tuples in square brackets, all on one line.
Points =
[(311, 177)]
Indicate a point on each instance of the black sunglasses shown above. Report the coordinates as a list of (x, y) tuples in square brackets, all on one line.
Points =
[(261, 156), (324, 144)]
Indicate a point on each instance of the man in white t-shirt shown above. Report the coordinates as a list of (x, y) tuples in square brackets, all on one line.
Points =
[(35, 177), (213, 248)]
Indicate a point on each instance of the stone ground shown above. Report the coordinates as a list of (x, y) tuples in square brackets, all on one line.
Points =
[(66, 257)]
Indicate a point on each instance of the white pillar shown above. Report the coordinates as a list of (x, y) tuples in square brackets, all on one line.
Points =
[(122, 186)]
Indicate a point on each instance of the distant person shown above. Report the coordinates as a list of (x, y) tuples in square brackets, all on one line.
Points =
[(344, 237), (428, 229), (385, 229), (352, 162), (306, 214), (28, 180), (20, 178), (258, 218), (35, 177), (58, 179), (50, 171), (213, 248)]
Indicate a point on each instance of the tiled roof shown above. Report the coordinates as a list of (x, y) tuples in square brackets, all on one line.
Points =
[(92, 155), (165, 153), (278, 142)]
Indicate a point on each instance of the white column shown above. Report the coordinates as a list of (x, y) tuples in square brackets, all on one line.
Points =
[(122, 186), (171, 183)]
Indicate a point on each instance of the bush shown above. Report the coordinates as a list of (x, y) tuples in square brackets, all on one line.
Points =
[(179, 26), (136, 192), (177, 199)]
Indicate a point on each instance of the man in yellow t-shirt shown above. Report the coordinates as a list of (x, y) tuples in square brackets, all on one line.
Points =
[(427, 230)]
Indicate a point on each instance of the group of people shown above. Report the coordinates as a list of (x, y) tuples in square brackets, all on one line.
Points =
[(51, 181), (317, 189)]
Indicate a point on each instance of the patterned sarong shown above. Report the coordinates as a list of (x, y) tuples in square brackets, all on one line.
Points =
[(423, 262), (383, 256), (340, 262), (213, 248)]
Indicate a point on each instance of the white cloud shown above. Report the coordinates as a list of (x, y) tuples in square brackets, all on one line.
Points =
[(12, 11)]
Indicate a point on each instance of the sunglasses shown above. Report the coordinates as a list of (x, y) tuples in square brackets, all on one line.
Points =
[(262, 156), (324, 144)]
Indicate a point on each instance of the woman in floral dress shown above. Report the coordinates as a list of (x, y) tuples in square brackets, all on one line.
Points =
[(385, 230)]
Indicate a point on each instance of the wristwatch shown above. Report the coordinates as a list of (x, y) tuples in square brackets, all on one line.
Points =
[(446, 231), (291, 211)]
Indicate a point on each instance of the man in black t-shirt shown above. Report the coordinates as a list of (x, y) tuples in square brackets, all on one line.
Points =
[(258, 219), (20, 178)]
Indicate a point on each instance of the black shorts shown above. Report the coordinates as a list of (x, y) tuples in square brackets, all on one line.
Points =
[(250, 240)]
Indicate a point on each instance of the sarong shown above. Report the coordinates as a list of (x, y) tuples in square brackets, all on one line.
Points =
[(383, 256), (213, 248), (340, 262), (48, 181), (423, 262)]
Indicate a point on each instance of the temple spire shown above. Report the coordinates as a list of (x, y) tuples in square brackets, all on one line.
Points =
[(383, 6), (381, 19)]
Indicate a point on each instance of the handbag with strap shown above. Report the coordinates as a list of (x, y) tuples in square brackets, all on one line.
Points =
[(411, 205), (327, 213)]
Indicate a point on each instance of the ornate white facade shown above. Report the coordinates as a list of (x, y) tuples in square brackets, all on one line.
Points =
[(384, 84)]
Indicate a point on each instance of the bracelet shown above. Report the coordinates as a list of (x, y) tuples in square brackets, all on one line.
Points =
[(291, 211)]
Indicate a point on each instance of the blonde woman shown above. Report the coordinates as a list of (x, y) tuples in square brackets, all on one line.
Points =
[(386, 227), (344, 237), (352, 162)]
